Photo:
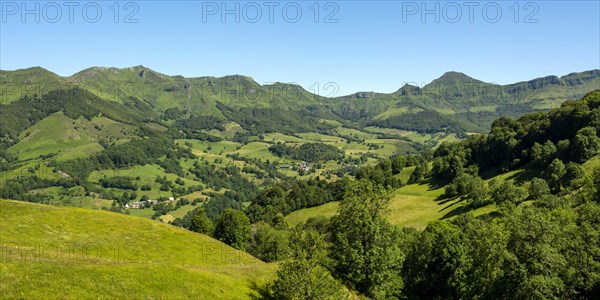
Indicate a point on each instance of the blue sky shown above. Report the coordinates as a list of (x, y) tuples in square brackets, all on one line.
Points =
[(373, 46)]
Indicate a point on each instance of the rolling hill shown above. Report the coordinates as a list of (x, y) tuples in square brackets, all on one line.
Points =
[(71, 253)]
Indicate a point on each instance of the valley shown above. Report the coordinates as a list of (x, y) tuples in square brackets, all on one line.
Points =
[(144, 185)]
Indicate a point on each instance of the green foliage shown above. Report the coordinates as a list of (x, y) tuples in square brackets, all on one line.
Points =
[(303, 276), (365, 246), (533, 252), (585, 144), (381, 174), (427, 121), (596, 185), (265, 120), (268, 243), (293, 195), (537, 188), (239, 188), (398, 163), (419, 173), (18, 188), (435, 266), (507, 192), (542, 155), (119, 182), (574, 177), (538, 249), (309, 152), (74, 103), (196, 122), (233, 228), (450, 161), (201, 223), (554, 174), (137, 152), (468, 186), (563, 133)]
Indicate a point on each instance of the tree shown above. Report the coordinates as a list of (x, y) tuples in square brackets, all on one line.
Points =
[(537, 188), (478, 192), (507, 192), (541, 155), (303, 276), (398, 164), (594, 190), (449, 166), (585, 144), (233, 228), (468, 186), (548, 151), (201, 223), (554, 174), (268, 243), (535, 153), (574, 177), (436, 263), (562, 149), (419, 173), (365, 246)]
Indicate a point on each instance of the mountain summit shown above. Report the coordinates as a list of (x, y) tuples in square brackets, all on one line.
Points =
[(454, 77)]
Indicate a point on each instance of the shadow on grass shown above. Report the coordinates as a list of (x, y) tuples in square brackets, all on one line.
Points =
[(522, 173), (443, 198), (261, 291), (434, 184), (460, 210), (451, 204), (457, 211), (525, 175)]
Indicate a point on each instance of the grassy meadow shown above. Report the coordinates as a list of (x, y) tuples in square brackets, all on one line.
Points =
[(72, 253)]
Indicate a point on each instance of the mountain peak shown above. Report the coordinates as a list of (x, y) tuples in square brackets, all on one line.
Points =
[(454, 77), (127, 73)]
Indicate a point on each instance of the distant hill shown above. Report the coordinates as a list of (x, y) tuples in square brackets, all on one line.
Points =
[(162, 91), (467, 104), (461, 103)]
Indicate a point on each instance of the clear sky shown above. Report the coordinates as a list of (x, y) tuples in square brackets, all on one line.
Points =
[(359, 45)]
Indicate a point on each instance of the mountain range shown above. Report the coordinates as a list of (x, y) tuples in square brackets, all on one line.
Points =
[(454, 100)]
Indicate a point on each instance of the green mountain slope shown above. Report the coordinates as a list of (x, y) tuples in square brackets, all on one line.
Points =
[(69, 138), (28, 82), (198, 94), (74, 103), (461, 102), (70, 253)]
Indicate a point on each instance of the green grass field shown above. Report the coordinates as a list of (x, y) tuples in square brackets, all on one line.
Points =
[(355, 133), (388, 130), (69, 253), (283, 138), (592, 164), (183, 210), (327, 210), (257, 150), (413, 205), (147, 174), (317, 137)]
